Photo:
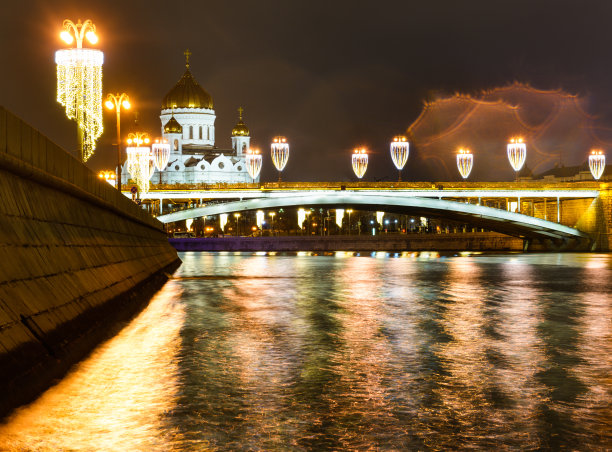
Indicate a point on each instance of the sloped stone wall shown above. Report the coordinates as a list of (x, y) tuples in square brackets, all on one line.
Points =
[(75, 257)]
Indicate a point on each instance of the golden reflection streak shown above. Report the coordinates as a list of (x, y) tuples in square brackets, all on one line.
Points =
[(115, 399)]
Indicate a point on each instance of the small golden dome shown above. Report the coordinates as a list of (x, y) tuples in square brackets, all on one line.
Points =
[(240, 129), (173, 126), (187, 93)]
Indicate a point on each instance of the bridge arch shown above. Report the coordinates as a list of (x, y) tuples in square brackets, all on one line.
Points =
[(510, 223)]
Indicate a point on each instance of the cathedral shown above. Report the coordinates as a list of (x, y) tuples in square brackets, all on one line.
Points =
[(188, 125)]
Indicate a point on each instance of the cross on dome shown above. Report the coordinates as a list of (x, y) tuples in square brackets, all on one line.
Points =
[(240, 110), (187, 54)]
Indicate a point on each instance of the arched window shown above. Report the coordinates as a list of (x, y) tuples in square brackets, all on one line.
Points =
[(175, 144), (244, 148), (191, 132), (200, 132), (208, 133)]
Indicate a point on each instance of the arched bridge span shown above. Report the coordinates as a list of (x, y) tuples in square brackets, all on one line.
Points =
[(509, 223)]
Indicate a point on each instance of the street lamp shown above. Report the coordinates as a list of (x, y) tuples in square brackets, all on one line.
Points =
[(237, 216), (360, 162), (465, 161), (139, 160), (597, 163), (272, 214), (517, 153), (161, 155), (280, 154), (79, 83), (108, 176), (349, 211), (399, 153), (116, 101), (253, 163)]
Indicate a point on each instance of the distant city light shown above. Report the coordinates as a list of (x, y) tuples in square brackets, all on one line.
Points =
[(253, 163), (597, 163), (400, 149), (280, 153), (517, 153), (360, 161), (465, 161), (79, 83)]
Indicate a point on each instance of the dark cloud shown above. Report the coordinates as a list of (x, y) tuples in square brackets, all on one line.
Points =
[(328, 75)]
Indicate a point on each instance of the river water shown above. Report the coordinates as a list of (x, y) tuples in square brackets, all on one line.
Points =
[(409, 352)]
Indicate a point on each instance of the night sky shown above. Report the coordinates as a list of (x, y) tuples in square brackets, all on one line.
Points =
[(329, 75)]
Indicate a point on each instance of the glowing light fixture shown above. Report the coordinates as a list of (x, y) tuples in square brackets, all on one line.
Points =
[(140, 162), (116, 101), (339, 217), (360, 161), (259, 218), (400, 149), (280, 154), (517, 153), (465, 161), (108, 176), (597, 163), (301, 214), (253, 163), (161, 153), (79, 83), (222, 221)]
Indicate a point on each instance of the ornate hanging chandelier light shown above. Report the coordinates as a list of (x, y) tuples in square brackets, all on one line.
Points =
[(161, 153), (597, 163), (79, 83), (517, 153), (280, 154), (465, 161), (253, 163), (400, 149), (359, 161)]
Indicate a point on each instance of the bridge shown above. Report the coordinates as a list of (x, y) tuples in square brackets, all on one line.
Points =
[(531, 210)]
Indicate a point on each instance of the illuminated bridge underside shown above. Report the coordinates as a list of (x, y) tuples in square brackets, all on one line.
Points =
[(510, 223)]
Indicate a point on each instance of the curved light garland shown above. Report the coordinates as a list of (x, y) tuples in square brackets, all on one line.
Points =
[(400, 149), (597, 163), (465, 161), (140, 166), (280, 154), (161, 153), (517, 153), (253, 163), (360, 162), (79, 84)]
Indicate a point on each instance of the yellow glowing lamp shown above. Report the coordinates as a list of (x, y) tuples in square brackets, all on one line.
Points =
[(465, 162), (517, 153), (359, 161), (597, 163), (253, 163)]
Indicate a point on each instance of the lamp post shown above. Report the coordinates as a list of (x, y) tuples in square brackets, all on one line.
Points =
[(79, 83), (117, 101), (253, 163), (139, 162), (237, 216), (280, 154), (272, 214), (349, 211), (517, 153), (359, 161), (399, 153)]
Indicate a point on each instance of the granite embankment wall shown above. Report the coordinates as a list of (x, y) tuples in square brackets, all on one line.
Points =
[(481, 241), (76, 258)]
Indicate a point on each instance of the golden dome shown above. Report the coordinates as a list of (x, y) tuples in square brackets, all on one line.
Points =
[(173, 126), (240, 129), (187, 93)]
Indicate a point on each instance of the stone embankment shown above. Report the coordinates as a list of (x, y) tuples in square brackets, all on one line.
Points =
[(76, 259), (481, 241)]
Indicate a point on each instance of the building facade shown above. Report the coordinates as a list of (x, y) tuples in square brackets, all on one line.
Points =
[(188, 124)]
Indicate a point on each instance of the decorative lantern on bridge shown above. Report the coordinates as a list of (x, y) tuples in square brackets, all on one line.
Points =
[(140, 162), (517, 153), (597, 163), (280, 154), (161, 155), (253, 163), (360, 162), (465, 161), (399, 153), (79, 83)]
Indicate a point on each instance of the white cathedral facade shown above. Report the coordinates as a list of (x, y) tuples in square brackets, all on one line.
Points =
[(188, 125)]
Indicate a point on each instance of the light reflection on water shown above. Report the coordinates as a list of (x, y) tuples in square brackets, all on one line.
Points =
[(243, 351)]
